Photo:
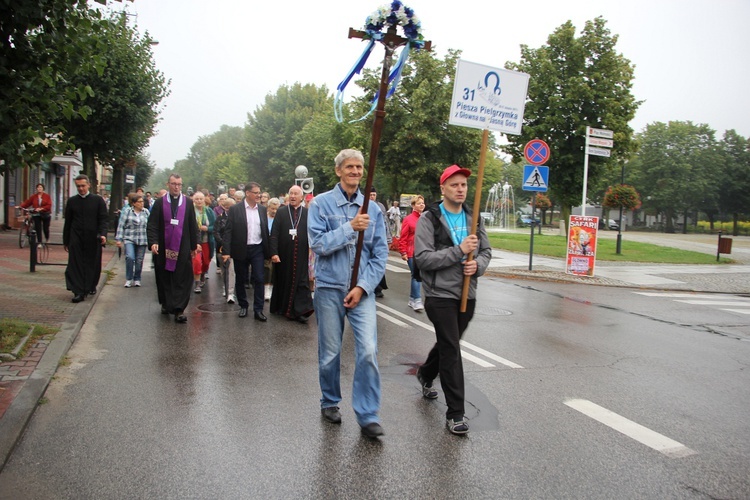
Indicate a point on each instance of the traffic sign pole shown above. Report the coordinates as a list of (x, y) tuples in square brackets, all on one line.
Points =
[(585, 171)]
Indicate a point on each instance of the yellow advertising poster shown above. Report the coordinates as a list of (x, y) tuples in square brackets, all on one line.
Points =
[(582, 233)]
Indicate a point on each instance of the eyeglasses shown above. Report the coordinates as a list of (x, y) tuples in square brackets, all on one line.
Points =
[(175, 184), (256, 193), (139, 201)]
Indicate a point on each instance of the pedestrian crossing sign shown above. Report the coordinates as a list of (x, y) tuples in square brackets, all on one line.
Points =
[(535, 178)]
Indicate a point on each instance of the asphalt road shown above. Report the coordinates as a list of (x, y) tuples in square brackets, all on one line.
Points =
[(572, 392)]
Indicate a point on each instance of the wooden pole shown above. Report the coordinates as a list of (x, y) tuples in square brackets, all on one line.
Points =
[(475, 214), (390, 41), (377, 129)]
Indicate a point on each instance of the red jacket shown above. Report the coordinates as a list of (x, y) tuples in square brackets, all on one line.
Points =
[(33, 201), (408, 228)]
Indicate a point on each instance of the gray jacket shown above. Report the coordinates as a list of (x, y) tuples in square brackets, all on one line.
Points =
[(439, 259)]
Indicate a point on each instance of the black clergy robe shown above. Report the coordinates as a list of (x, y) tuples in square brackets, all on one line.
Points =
[(173, 287), (291, 286), (85, 223)]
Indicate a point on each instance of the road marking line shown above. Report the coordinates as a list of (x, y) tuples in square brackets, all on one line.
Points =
[(429, 327), (738, 311), (643, 435), (426, 326), (488, 354), (716, 302), (396, 269), (681, 295), (474, 359), (392, 319)]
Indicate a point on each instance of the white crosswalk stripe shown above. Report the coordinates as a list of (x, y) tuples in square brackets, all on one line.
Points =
[(395, 317), (724, 302)]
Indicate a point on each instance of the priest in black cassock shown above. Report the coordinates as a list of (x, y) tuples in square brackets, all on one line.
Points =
[(173, 238), (84, 235), (289, 254)]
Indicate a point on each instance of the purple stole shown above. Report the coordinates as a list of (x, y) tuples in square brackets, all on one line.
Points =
[(173, 233)]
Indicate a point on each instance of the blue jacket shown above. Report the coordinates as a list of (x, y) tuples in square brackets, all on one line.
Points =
[(333, 240)]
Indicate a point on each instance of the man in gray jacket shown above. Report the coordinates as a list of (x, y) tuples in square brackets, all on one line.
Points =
[(441, 245)]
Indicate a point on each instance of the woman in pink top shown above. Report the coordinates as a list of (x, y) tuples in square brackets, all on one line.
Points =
[(406, 248)]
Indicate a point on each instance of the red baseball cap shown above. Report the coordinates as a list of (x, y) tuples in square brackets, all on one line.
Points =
[(453, 170)]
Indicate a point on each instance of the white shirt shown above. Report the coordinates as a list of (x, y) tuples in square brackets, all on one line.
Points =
[(253, 225)]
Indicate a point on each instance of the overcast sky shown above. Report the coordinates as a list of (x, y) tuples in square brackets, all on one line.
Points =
[(224, 56)]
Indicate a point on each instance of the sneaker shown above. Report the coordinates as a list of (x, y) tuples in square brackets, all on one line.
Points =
[(231, 299), (458, 426), (128, 283), (137, 283), (411, 303), (427, 390), (197, 287), (417, 305)]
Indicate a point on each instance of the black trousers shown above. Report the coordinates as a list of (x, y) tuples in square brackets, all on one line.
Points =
[(254, 259), (445, 357), (41, 223)]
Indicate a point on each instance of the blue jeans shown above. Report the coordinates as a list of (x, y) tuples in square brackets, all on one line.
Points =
[(134, 260), (330, 313), (416, 286)]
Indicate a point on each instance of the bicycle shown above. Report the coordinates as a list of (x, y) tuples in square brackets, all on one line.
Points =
[(24, 235)]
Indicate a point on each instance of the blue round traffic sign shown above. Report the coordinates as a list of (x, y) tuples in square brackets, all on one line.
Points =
[(536, 152)]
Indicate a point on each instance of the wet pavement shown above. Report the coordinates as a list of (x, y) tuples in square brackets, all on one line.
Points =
[(41, 298)]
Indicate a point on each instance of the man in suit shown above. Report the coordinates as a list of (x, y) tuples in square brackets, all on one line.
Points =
[(246, 242)]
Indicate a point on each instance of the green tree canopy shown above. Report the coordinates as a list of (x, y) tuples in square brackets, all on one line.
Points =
[(675, 170), (575, 83), (734, 184), (126, 96), (43, 44), (269, 148)]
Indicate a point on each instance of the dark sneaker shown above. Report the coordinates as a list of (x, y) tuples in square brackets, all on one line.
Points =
[(372, 430), (332, 414), (458, 426), (427, 390)]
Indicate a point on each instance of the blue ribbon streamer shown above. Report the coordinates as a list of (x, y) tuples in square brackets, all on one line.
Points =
[(393, 80), (338, 101)]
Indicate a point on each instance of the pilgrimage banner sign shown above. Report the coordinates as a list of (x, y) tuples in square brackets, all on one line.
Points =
[(582, 238)]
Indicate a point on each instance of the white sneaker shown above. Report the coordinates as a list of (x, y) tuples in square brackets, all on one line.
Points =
[(231, 299), (417, 305), (137, 283), (128, 283), (411, 303)]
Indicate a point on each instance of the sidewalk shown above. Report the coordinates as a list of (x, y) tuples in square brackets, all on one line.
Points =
[(38, 298), (41, 297)]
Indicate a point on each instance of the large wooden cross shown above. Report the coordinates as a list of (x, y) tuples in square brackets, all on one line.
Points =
[(391, 41)]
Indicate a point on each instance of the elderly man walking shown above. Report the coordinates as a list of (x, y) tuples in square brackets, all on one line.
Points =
[(334, 222)]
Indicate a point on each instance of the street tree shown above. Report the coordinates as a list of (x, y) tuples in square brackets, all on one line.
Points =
[(212, 153), (734, 184), (126, 97), (42, 45), (268, 148), (576, 82), (675, 168)]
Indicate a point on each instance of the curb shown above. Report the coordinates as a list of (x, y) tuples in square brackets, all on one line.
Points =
[(19, 413)]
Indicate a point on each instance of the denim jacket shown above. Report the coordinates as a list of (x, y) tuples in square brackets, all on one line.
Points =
[(333, 240)]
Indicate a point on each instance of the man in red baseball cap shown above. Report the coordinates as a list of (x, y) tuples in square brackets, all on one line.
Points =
[(442, 243)]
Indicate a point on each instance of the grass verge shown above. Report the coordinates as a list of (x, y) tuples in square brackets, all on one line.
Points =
[(12, 331), (632, 251)]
